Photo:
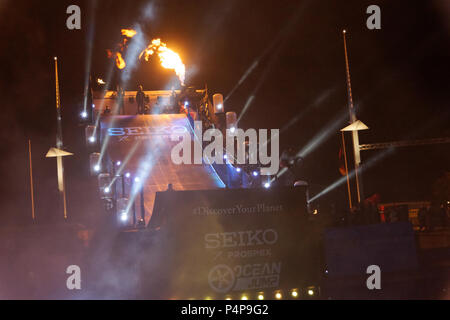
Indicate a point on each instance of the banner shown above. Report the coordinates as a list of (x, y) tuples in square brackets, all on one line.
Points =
[(225, 243)]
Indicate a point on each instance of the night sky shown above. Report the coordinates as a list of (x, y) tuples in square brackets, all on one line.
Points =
[(400, 79)]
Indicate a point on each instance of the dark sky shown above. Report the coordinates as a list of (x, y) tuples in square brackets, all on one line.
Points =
[(399, 77)]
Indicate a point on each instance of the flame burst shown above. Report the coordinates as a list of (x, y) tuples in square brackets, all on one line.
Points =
[(130, 33), (120, 63), (168, 58)]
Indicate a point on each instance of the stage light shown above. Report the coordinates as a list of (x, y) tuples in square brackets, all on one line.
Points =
[(93, 106), (118, 163), (255, 173), (218, 103), (137, 179), (91, 134), (94, 163), (260, 296), (244, 297), (278, 295), (310, 292), (127, 175), (294, 293), (84, 114), (231, 121), (186, 104), (315, 211), (228, 298), (225, 157), (267, 185), (124, 216), (107, 190), (238, 169)]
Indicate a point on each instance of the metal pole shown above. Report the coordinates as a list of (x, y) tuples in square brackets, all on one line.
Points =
[(352, 112), (31, 181), (59, 143), (346, 172)]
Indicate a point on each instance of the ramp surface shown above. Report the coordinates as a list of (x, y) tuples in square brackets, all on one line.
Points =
[(143, 145)]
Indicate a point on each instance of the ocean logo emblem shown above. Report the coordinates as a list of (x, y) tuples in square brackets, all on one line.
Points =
[(221, 278)]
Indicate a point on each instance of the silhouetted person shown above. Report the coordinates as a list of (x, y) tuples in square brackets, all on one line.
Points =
[(394, 214), (374, 216), (158, 106), (443, 216), (422, 215), (120, 94), (107, 111), (140, 99), (173, 102)]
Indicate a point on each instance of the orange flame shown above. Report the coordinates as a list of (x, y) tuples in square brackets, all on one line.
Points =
[(120, 63), (130, 33), (168, 58)]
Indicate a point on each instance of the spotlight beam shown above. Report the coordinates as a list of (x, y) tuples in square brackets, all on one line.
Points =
[(275, 41), (317, 140), (317, 102), (125, 161), (89, 45), (331, 128), (106, 140), (352, 174)]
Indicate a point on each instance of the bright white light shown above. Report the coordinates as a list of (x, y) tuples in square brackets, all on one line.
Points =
[(124, 216), (294, 293), (93, 105), (238, 169), (311, 292), (92, 139), (232, 129), (244, 297), (186, 103), (219, 106), (84, 114), (97, 168), (137, 179), (267, 185), (261, 297), (107, 189), (118, 163), (255, 173), (127, 175), (278, 295), (225, 156)]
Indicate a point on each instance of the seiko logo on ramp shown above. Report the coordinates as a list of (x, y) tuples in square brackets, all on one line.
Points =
[(143, 131), (241, 239)]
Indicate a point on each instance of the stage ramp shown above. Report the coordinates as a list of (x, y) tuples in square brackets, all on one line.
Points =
[(143, 145)]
